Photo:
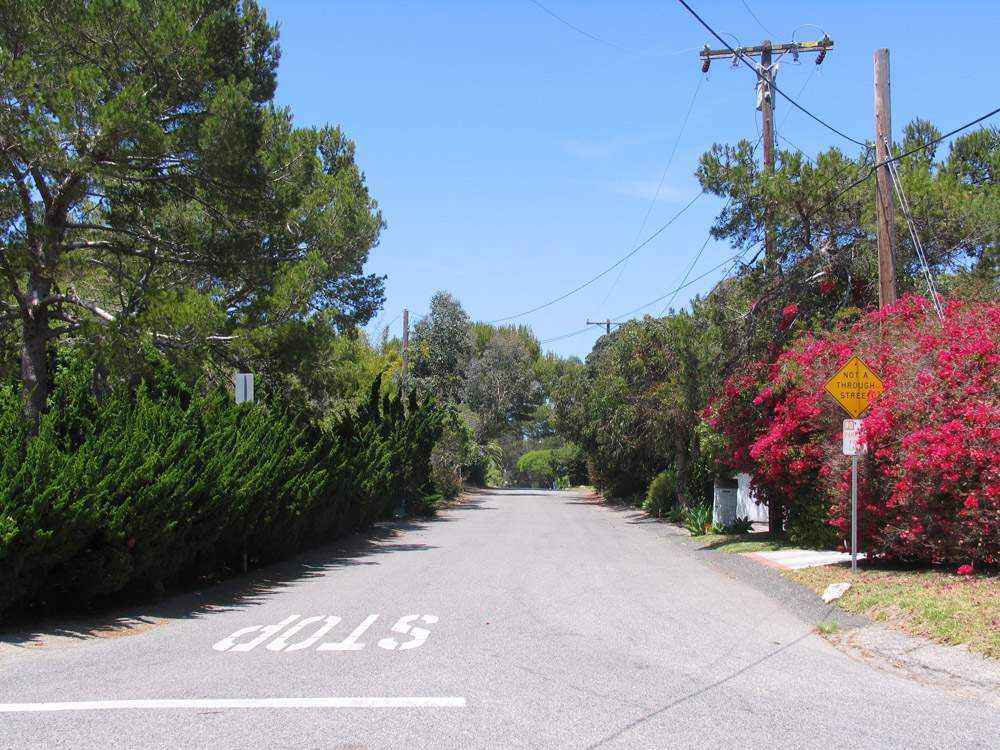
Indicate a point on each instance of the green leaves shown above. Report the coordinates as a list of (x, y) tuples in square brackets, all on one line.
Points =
[(147, 165), (152, 487)]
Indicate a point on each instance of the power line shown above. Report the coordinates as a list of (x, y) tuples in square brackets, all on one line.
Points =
[(607, 270), (659, 187), (583, 32), (687, 273), (646, 305), (913, 150), (760, 75), (754, 15)]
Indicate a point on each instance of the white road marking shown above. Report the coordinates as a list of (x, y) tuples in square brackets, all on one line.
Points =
[(281, 642), (265, 633), (333, 702), (259, 634), (350, 643), (403, 626)]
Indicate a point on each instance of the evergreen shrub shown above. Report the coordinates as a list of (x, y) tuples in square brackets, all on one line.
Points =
[(159, 484)]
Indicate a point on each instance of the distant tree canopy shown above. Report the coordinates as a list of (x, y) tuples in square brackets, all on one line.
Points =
[(151, 189), (636, 407)]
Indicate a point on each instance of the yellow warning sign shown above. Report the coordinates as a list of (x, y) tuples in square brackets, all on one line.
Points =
[(854, 387)]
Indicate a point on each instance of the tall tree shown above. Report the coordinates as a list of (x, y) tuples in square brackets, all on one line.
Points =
[(147, 180), (501, 386), (442, 344)]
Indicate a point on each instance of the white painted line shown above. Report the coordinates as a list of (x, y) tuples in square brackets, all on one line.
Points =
[(358, 702)]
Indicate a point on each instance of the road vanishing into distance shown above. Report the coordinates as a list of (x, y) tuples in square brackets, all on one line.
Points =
[(520, 619)]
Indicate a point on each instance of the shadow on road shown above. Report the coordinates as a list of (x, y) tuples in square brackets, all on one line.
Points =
[(246, 590)]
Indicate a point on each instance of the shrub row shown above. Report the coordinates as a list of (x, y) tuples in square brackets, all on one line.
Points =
[(150, 487)]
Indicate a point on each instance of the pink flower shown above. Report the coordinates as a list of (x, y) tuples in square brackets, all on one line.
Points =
[(964, 570)]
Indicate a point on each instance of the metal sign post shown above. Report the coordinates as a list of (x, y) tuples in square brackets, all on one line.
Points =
[(854, 387), (852, 430), (854, 514)]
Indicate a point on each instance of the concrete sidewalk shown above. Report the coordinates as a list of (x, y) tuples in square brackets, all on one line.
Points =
[(795, 559)]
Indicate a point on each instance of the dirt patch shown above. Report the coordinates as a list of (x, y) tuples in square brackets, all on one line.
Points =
[(73, 632)]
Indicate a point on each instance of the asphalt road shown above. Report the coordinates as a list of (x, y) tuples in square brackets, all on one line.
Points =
[(522, 619)]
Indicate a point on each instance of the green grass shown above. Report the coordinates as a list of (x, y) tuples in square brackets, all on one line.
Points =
[(754, 542), (827, 628), (933, 603)]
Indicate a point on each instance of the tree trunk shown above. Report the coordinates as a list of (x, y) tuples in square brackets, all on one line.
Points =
[(682, 463), (34, 355), (775, 513)]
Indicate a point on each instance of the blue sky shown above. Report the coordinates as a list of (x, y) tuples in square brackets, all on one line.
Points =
[(514, 158)]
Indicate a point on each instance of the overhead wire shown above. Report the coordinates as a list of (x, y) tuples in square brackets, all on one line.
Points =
[(580, 31), (915, 149), (600, 40), (683, 284), (607, 270), (742, 58), (659, 187), (644, 306), (687, 273), (904, 204), (754, 16)]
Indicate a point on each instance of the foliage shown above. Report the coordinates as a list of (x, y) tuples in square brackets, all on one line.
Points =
[(442, 347), (809, 524), (932, 603), (500, 385), (698, 519), (454, 454), (147, 488), (153, 190), (662, 493), (676, 514), (633, 407), (740, 525), (928, 489), (542, 468)]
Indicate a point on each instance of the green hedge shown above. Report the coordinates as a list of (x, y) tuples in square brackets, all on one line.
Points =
[(159, 484)]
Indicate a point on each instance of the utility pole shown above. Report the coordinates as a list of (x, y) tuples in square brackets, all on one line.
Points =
[(605, 323), (765, 97), (766, 73), (885, 208), (406, 348)]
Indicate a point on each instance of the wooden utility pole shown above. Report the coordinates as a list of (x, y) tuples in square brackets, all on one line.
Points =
[(766, 71), (765, 98), (605, 323), (406, 348), (885, 207)]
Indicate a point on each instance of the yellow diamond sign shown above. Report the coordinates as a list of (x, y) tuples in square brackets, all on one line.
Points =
[(854, 387)]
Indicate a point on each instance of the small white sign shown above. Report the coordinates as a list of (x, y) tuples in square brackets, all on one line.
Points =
[(244, 387), (852, 430)]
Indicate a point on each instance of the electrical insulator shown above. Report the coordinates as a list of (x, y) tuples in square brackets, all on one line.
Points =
[(822, 52)]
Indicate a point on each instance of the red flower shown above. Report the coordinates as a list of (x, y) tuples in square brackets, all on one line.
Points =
[(964, 570)]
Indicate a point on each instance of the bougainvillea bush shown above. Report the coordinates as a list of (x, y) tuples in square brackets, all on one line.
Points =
[(930, 482)]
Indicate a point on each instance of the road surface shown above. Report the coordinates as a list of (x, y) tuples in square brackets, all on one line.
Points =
[(521, 619)]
